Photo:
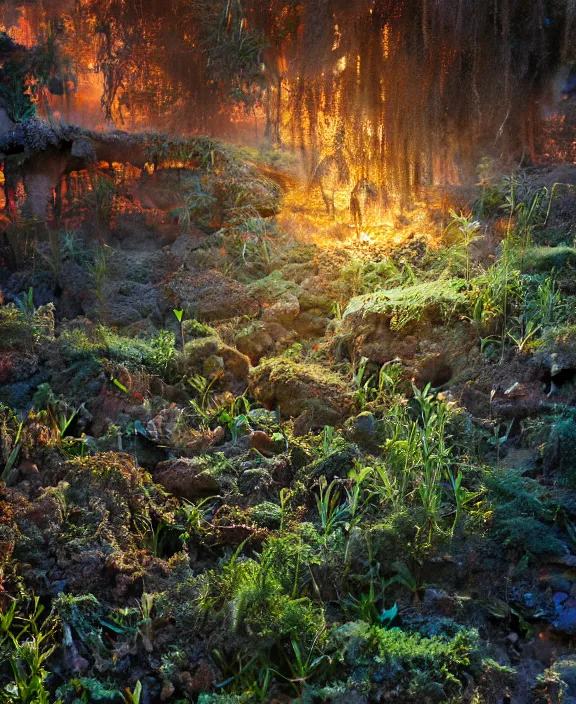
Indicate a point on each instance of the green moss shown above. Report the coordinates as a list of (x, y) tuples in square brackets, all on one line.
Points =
[(522, 514), (433, 300), (193, 329), (409, 666), (224, 698), (560, 340), (557, 683), (84, 689), (559, 451), (514, 495), (527, 534), (273, 287), (544, 259), (100, 343), (396, 535), (296, 387), (267, 515)]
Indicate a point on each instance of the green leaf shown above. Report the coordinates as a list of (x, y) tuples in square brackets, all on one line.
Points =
[(120, 386), (179, 315), (388, 615)]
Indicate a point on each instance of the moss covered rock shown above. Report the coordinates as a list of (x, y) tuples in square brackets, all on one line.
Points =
[(209, 355), (86, 528), (434, 301), (296, 388), (188, 478), (544, 259), (210, 295), (560, 451)]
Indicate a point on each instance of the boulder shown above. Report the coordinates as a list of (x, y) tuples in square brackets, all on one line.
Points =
[(362, 431), (127, 302), (211, 295), (261, 339), (83, 149), (187, 242), (188, 478), (296, 388), (211, 354), (255, 343), (560, 450), (283, 311)]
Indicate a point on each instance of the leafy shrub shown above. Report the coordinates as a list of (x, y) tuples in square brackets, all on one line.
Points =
[(414, 668), (155, 354), (88, 689), (524, 533), (20, 329), (521, 514)]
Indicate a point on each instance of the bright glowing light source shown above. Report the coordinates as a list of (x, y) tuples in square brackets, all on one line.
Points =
[(337, 38)]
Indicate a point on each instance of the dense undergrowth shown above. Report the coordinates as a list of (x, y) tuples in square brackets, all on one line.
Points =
[(263, 478)]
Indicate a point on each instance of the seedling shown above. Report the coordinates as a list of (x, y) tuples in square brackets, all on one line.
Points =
[(179, 317)]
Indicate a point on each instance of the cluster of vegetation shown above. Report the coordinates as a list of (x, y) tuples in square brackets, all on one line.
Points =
[(200, 527)]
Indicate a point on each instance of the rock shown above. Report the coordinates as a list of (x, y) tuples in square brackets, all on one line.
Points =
[(186, 243), (161, 428), (6, 123), (433, 595), (311, 324), (198, 352), (256, 480), (263, 339), (83, 149), (560, 450), (255, 343), (274, 288), (567, 560), (267, 515), (557, 355), (168, 690), (28, 469), (127, 302), (565, 668), (315, 296), (16, 395), (213, 366), (433, 370), (566, 622), (559, 598), (211, 295), (262, 442), (283, 312), (362, 431), (557, 581), (337, 464), (349, 697), (295, 388), (282, 337), (188, 478)]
